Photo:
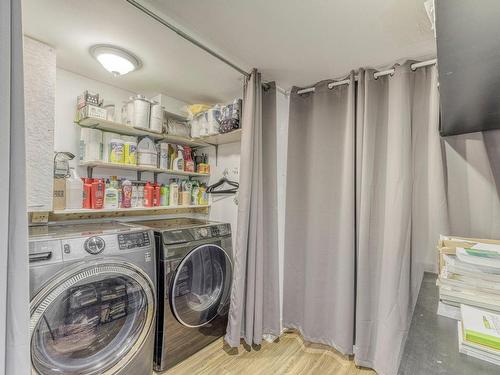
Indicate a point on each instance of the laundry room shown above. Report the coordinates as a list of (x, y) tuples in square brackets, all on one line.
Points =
[(249, 187)]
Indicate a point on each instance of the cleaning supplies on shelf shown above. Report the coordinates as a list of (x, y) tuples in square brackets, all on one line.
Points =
[(156, 194), (203, 196), (178, 162), (87, 193), (126, 194), (188, 160), (97, 194), (163, 150), (74, 190), (140, 195), (111, 199), (147, 155), (130, 150), (116, 151), (164, 195), (174, 193), (148, 195)]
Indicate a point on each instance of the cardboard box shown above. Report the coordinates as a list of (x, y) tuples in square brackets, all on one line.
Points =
[(59, 199)]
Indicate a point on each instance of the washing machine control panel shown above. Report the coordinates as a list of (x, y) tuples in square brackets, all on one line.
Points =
[(128, 241)]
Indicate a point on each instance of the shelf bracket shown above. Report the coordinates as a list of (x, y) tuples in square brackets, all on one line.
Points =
[(90, 171), (155, 177), (139, 175)]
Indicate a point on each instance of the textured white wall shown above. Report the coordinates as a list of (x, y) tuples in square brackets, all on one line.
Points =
[(39, 97), (67, 133), (223, 206)]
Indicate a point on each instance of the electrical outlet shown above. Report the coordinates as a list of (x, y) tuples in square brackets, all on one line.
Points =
[(39, 217)]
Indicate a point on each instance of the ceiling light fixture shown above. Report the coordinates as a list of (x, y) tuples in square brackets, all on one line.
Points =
[(114, 59)]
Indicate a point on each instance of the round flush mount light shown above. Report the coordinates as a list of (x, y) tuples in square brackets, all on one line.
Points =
[(114, 59)]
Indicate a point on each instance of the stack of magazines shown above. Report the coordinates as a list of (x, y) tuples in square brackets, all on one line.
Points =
[(469, 273), (479, 334)]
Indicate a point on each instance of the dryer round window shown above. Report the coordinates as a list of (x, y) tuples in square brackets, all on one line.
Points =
[(94, 245)]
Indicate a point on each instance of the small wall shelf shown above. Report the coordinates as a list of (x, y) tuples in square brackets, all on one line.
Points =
[(223, 138), (84, 213), (91, 164), (105, 125)]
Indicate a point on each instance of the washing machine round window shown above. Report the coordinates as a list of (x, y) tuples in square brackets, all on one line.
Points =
[(201, 285), (91, 321)]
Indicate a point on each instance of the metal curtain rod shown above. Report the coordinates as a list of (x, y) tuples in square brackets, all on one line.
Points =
[(375, 75), (182, 34)]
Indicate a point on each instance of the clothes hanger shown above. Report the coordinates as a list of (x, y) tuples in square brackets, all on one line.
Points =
[(212, 188)]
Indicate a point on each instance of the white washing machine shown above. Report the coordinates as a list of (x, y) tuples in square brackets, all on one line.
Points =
[(93, 299)]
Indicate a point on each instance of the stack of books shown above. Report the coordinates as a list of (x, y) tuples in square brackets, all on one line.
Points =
[(469, 273), (479, 334)]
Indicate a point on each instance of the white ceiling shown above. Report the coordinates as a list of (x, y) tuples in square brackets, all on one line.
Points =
[(299, 42), (171, 64), (293, 42)]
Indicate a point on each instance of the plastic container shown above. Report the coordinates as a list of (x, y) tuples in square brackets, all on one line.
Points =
[(90, 144), (156, 118), (195, 128), (116, 151), (163, 155), (212, 118), (97, 193), (147, 154), (156, 194), (128, 113), (148, 195), (87, 193), (164, 195), (111, 199), (126, 194), (130, 154), (140, 196), (141, 112), (174, 194), (74, 190)]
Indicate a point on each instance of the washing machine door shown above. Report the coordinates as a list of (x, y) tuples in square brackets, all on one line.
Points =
[(91, 319), (201, 285)]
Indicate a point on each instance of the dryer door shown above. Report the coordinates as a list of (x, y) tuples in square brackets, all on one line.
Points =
[(91, 319), (201, 285)]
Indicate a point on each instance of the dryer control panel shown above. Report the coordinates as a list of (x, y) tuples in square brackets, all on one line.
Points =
[(128, 241)]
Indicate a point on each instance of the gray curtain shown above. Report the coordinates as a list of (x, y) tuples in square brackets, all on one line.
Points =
[(401, 206), (318, 291), (14, 282), (255, 309)]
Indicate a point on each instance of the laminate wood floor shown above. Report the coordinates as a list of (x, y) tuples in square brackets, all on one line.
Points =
[(290, 355)]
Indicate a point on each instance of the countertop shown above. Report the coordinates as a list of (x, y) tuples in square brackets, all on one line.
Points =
[(432, 343)]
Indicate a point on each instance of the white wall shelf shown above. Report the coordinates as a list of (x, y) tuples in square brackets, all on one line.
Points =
[(138, 168), (111, 126), (85, 214), (116, 127), (223, 138), (134, 209)]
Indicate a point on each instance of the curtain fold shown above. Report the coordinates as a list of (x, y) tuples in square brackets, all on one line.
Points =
[(318, 287), (401, 206), (254, 309), (14, 282)]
